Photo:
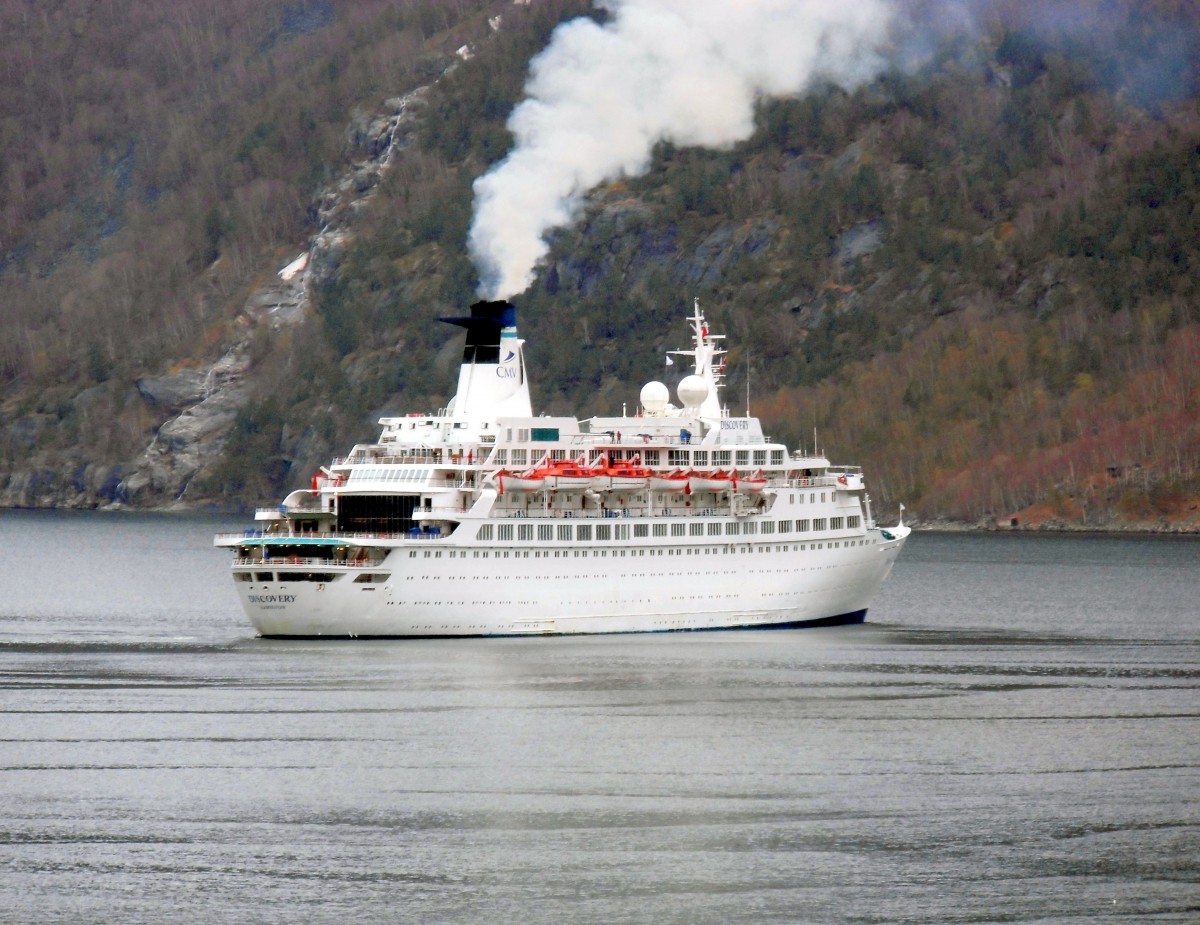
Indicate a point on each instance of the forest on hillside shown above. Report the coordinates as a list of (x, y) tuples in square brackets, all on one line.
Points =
[(976, 275)]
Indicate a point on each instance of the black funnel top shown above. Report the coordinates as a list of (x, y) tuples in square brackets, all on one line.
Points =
[(483, 326)]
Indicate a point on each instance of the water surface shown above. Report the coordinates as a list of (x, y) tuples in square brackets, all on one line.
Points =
[(1012, 737)]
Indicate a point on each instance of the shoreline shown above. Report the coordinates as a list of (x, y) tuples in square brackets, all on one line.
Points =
[(1140, 528)]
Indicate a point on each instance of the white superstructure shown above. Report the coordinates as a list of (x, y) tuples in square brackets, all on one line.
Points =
[(483, 519)]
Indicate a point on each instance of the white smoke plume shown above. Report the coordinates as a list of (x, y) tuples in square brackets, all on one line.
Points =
[(599, 97)]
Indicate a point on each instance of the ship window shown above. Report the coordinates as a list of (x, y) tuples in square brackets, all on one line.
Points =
[(700, 457), (749, 527), (242, 576), (564, 532), (583, 532), (714, 529), (801, 526), (721, 458), (306, 576), (501, 457), (544, 434), (603, 531), (731, 528), (696, 529), (485, 532), (545, 532), (678, 529), (651, 457), (264, 576), (822, 497), (677, 457), (819, 524), (768, 526), (785, 526), (812, 498), (524, 531), (519, 457), (370, 578), (621, 531), (641, 529), (776, 457), (558, 455), (835, 523), (760, 457), (854, 522), (743, 457), (660, 529)]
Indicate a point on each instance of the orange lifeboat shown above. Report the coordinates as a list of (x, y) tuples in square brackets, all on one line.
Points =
[(720, 480), (751, 483), (676, 481), (622, 475), (565, 476), (519, 482)]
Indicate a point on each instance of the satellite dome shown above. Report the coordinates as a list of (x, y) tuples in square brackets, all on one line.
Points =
[(692, 391), (655, 397)]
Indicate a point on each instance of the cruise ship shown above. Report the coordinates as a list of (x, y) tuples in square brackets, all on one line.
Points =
[(483, 519)]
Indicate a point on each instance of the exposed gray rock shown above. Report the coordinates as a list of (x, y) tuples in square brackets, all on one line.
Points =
[(863, 239), (175, 392), (204, 402)]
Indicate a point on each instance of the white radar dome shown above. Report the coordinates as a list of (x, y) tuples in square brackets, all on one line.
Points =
[(692, 391), (655, 397)]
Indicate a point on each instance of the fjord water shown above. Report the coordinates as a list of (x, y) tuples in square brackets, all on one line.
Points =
[(1012, 737)]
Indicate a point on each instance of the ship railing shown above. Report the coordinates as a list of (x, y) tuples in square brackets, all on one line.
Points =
[(820, 481), (423, 456), (305, 561), (610, 513), (361, 538), (282, 510), (636, 438)]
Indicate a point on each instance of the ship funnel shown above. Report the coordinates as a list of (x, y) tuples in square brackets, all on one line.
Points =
[(492, 381)]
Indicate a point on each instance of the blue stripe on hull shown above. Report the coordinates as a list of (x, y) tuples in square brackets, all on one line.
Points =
[(842, 619)]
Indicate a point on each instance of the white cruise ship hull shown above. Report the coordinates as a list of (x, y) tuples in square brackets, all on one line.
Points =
[(517, 592)]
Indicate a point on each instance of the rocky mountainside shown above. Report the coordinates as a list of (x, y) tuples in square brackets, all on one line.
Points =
[(975, 275), (195, 406)]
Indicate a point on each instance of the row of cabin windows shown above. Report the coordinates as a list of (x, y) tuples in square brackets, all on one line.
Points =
[(603, 532), (379, 578), (691, 458), (615, 553)]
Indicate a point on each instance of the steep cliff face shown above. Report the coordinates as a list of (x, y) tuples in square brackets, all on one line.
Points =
[(187, 412)]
